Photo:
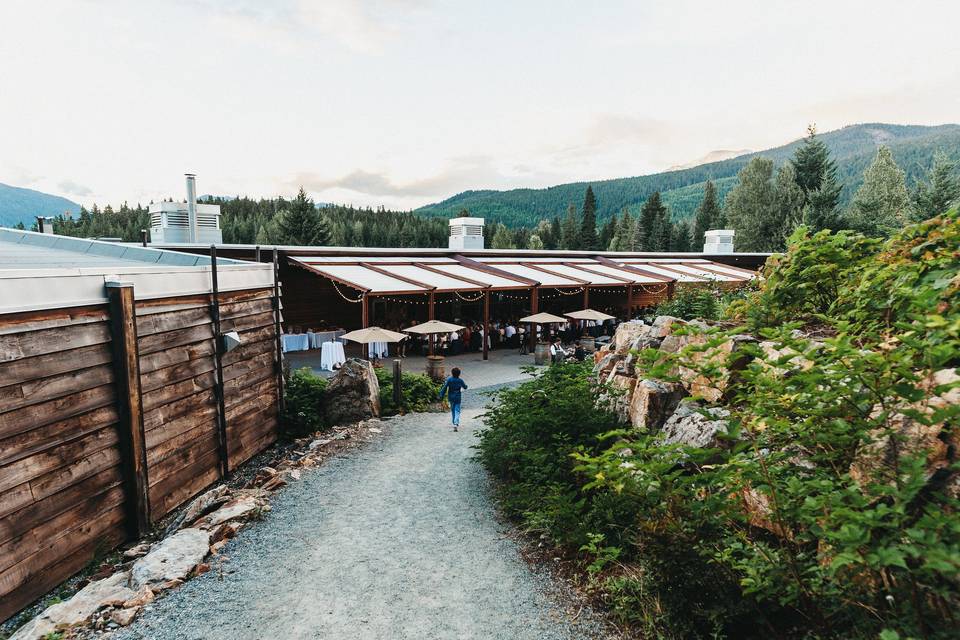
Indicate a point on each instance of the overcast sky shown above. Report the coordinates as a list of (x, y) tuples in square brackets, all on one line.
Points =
[(405, 102)]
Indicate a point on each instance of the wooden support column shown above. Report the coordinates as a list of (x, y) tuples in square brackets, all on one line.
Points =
[(534, 308), (126, 369), (278, 359), (218, 361), (629, 301), (365, 311), (586, 297), (671, 290), (486, 324), (431, 315)]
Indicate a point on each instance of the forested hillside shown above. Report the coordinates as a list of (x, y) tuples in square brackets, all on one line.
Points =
[(19, 205), (852, 147)]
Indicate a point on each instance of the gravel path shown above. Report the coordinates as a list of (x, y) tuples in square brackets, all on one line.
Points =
[(396, 540)]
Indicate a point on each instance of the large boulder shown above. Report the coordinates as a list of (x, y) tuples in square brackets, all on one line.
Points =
[(879, 459), (353, 393), (627, 333), (653, 402), (729, 358), (77, 609), (607, 364), (171, 559), (664, 326), (620, 395), (693, 425)]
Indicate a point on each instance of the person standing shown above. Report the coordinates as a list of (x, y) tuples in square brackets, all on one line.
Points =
[(452, 387)]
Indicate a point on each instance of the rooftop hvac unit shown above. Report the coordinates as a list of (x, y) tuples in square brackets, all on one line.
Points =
[(718, 241), (466, 233), (185, 222)]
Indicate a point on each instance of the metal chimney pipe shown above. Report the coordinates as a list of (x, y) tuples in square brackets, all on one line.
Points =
[(192, 205)]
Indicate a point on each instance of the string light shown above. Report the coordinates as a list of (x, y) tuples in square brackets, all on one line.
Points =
[(479, 297), (351, 300)]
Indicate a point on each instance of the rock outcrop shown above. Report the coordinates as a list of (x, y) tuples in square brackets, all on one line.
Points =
[(171, 559), (355, 391), (694, 425), (653, 402)]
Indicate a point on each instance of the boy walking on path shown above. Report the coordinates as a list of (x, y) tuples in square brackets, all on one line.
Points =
[(452, 387)]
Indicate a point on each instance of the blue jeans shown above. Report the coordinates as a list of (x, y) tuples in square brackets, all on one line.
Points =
[(455, 413)]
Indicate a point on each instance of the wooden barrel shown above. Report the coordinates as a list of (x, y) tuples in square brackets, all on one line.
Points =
[(589, 344), (541, 355), (435, 368)]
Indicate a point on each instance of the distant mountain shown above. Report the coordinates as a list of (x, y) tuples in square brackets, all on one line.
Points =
[(24, 205), (714, 156), (853, 148)]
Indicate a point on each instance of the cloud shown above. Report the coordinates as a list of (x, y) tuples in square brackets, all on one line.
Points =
[(362, 26), (74, 189)]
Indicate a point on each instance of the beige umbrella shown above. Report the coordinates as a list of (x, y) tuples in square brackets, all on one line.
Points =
[(432, 328), (589, 314), (541, 318), (373, 334)]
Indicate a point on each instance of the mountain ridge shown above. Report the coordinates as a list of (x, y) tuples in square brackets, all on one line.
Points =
[(19, 204), (852, 147)]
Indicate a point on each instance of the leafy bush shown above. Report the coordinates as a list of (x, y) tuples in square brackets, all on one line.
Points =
[(770, 534), (417, 392), (304, 394), (704, 302)]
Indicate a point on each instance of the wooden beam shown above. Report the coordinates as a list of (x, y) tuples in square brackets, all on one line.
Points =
[(384, 272), (218, 362), (486, 324), (537, 267), (427, 267), (482, 266), (431, 315), (586, 268), (629, 301), (534, 309), (278, 358), (365, 311), (586, 297), (126, 363)]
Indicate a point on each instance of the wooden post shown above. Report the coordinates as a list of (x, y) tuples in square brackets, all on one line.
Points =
[(397, 382), (629, 301), (671, 290), (365, 311), (278, 361), (534, 309), (586, 297), (218, 360), (486, 323), (126, 369), (256, 253), (431, 315)]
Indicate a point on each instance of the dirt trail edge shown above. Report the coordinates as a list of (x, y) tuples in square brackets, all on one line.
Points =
[(396, 540)]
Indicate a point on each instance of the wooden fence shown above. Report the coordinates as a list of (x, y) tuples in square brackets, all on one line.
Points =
[(112, 415)]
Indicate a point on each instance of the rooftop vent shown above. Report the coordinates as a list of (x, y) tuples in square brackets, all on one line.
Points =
[(185, 222), (718, 241), (466, 233)]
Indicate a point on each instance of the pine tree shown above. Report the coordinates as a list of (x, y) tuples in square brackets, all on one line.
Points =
[(939, 192), (664, 233), (301, 224), (787, 206), (816, 175), (607, 232), (570, 233), (588, 224), (708, 213), (622, 239), (881, 204), (681, 238), (749, 205), (646, 229)]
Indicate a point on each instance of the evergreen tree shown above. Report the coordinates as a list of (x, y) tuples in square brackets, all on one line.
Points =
[(939, 191), (681, 238), (570, 232), (502, 239), (263, 237), (300, 223), (607, 232), (663, 239), (816, 175), (645, 231), (881, 204), (588, 224), (535, 244), (556, 234), (708, 213), (787, 207), (622, 239), (749, 205)]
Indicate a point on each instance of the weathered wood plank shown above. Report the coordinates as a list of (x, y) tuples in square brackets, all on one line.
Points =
[(177, 355), (235, 387), (30, 514), (14, 346), (265, 388), (165, 305), (44, 413), (244, 323), (169, 339), (250, 350), (30, 467), (177, 373), (51, 364), (173, 392), (69, 475), (244, 367), (30, 442), (163, 414), (168, 494), (186, 457), (176, 436), (51, 318), (43, 389)]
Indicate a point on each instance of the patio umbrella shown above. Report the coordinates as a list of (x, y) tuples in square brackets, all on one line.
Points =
[(541, 318), (373, 334), (589, 314), (432, 328)]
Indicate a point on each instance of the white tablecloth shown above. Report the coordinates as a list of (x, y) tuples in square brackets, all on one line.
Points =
[(377, 349), (331, 354), (295, 342), (318, 338)]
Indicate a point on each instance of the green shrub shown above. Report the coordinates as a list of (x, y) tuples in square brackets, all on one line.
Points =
[(704, 302), (417, 392), (304, 394)]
